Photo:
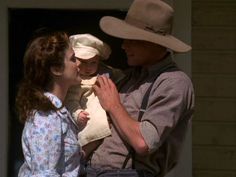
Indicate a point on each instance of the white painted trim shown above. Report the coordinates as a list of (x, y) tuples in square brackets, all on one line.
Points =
[(182, 30), (3, 89), (70, 4)]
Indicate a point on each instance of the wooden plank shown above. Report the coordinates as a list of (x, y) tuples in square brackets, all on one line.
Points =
[(214, 62), (215, 85), (213, 173), (215, 109), (213, 14), (211, 133), (213, 38), (214, 158), (214, 1)]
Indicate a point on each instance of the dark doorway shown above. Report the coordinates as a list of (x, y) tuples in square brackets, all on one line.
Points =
[(22, 24)]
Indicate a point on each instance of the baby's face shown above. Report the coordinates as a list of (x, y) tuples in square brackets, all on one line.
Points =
[(89, 67)]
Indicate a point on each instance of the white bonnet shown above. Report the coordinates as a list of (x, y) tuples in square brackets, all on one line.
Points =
[(87, 46)]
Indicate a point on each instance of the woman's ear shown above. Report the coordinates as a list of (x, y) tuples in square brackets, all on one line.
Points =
[(56, 71)]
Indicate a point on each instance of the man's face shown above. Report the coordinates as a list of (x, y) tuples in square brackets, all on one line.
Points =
[(142, 53)]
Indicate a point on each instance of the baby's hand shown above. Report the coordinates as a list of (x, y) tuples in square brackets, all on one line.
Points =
[(82, 119)]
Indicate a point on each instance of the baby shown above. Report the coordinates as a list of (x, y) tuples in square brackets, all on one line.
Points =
[(81, 100)]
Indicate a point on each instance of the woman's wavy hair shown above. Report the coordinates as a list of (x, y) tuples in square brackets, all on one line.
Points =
[(43, 52)]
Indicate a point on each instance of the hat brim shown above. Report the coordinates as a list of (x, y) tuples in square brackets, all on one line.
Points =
[(121, 29), (84, 53)]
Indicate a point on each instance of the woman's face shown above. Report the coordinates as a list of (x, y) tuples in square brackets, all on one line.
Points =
[(71, 71), (88, 67)]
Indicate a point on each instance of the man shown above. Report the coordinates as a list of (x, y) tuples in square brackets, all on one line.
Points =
[(152, 110)]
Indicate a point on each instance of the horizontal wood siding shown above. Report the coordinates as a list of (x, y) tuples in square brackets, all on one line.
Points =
[(214, 14), (211, 109), (218, 134), (214, 38), (215, 173), (214, 158), (213, 62), (214, 79)]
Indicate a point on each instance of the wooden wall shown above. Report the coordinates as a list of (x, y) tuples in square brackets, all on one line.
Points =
[(214, 78)]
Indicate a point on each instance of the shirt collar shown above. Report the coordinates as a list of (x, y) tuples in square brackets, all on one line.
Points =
[(152, 69), (163, 63)]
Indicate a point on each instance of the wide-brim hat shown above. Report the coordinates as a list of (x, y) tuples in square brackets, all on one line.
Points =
[(87, 46), (147, 20)]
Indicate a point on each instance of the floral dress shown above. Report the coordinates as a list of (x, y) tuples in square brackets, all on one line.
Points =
[(50, 145)]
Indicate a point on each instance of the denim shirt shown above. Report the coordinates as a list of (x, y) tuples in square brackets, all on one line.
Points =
[(50, 145)]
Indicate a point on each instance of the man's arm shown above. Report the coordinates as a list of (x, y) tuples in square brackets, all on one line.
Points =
[(128, 127)]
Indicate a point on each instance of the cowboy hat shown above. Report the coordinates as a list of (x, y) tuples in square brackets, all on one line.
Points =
[(87, 46), (148, 20)]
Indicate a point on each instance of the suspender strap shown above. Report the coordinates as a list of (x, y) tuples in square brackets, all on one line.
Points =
[(144, 102), (131, 153), (142, 110)]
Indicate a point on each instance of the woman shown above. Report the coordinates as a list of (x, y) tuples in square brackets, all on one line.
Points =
[(49, 140)]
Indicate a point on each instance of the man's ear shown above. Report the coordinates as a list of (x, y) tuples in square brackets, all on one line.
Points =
[(57, 71)]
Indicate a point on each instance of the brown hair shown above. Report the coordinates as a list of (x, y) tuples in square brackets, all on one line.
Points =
[(42, 53)]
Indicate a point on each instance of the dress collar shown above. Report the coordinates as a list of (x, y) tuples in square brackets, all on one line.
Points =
[(54, 99), (58, 104)]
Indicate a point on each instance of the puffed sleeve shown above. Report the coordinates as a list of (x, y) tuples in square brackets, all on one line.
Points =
[(169, 102), (45, 144)]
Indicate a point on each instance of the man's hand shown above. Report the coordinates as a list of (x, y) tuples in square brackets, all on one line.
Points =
[(128, 127), (107, 93)]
